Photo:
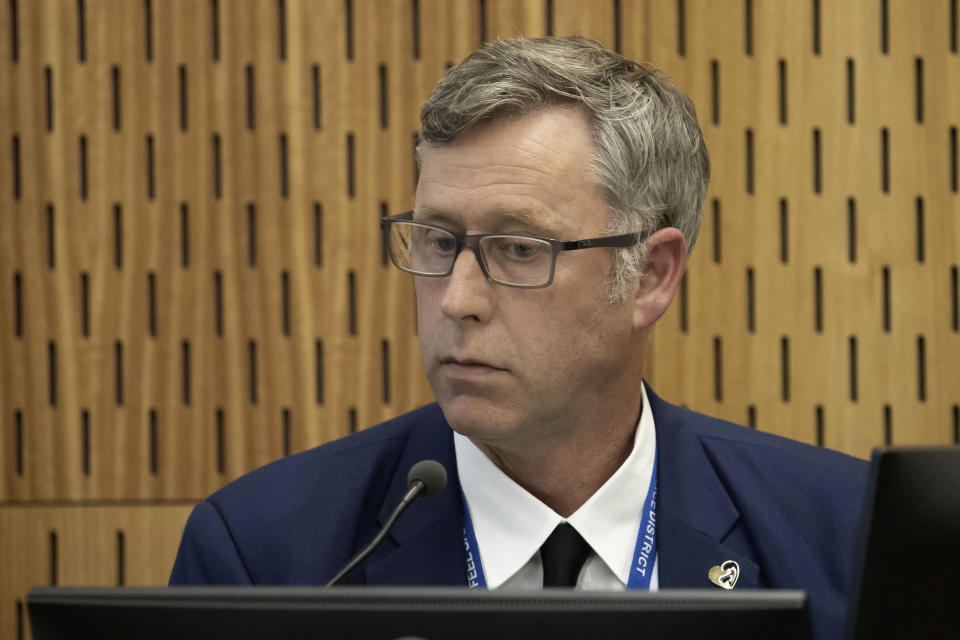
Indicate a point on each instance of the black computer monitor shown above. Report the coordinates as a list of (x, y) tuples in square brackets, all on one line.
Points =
[(909, 577), (385, 613)]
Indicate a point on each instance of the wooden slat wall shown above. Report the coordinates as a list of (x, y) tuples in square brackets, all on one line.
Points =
[(192, 281)]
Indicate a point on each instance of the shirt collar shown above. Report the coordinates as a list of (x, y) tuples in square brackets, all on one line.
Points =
[(511, 524)]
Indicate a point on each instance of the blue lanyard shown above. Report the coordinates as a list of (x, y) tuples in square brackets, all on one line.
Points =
[(644, 554)]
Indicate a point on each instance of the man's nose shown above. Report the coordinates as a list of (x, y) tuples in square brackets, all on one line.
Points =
[(467, 293)]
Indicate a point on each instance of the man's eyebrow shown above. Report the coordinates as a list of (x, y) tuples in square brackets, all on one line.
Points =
[(492, 219)]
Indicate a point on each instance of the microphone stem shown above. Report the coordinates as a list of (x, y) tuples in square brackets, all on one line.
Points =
[(416, 488)]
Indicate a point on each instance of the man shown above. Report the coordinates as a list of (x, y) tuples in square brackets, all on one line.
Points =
[(560, 191)]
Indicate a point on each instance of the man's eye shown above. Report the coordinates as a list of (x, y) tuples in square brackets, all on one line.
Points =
[(443, 243), (520, 249)]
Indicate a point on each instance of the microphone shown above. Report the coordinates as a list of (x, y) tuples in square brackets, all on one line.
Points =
[(427, 478)]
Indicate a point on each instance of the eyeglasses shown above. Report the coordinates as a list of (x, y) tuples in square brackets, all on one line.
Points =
[(526, 262)]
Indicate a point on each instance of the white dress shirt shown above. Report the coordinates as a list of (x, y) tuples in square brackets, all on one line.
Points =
[(511, 524)]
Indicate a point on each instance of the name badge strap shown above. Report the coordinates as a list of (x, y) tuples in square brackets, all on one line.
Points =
[(475, 577), (645, 552)]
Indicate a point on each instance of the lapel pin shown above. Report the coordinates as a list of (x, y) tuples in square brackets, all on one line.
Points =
[(725, 576)]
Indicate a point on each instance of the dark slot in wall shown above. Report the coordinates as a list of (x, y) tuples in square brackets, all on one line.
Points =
[(117, 235), (51, 237), (218, 303), (785, 369), (884, 27), (48, 93), (818, 425), (18, 304), (285, 430), (185, 365), (285, 302), (384, 103), (118, 371), (81, 31), (718, 368), (681, 28), (84, 173), (251, 235), (217, 163), (251, 97), (921, 368), (18, 438), (885, 294), (85, 441), (148, 30), (53, 557), (385, 366), (717, 232), (117, 111), (918, 79), (851, 230), (348, 29), (252, 368), (851, 91), (215, 30), (184, 235), (887, 425), (352, 303), (885, 160), (684, 307), (351, 167), (282, 29), (16, 167), (815, 30), (317, 111), (715, 92), (782, 89), (784, 231), (818, 299), (14, 31), (854, 373), (318, 370), (284, 152), (415, 28), (84, 304), (221, 453), (817, 162), (921, 231), (317, 234), (152, 304), (121, 558), (153, 437), (52, 372)]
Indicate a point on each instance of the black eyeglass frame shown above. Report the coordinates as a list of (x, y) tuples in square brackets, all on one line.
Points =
[(472, 242)]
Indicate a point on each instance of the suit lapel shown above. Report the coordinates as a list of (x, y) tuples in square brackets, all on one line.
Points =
[(425, 546), (697, 522)]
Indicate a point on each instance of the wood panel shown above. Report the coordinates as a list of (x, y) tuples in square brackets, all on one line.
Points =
[(192, 280), (83, 544)]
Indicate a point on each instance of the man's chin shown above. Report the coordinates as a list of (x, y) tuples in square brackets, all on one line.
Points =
[(476, 418)]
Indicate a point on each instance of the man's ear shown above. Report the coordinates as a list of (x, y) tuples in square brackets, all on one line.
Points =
[(666, 262)]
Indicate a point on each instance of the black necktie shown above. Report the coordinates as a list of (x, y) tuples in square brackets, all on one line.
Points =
[(563, 554)]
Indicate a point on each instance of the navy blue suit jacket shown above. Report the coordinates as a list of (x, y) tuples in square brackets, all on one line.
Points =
[(788, 513)]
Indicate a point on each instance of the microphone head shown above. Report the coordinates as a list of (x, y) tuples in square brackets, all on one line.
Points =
[(431, 473)]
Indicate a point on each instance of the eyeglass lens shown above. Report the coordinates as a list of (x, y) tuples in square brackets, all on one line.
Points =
[(509, 259)]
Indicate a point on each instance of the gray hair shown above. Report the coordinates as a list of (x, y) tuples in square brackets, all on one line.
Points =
[(651, 159)]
